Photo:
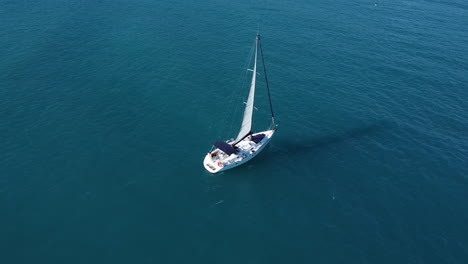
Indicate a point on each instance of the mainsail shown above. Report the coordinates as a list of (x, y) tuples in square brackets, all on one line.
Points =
[(247, 121)]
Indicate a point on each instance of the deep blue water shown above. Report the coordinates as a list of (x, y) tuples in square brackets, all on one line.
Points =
[(107, 109)]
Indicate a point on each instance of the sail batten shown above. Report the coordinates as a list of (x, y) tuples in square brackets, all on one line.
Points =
[(246, 126)]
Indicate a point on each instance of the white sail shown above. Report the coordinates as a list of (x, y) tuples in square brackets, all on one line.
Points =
[(247, 121)]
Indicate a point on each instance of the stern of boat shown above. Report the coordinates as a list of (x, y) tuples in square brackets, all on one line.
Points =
[(211, 165)]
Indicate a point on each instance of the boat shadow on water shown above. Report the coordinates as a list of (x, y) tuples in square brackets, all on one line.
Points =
[(282, 146)]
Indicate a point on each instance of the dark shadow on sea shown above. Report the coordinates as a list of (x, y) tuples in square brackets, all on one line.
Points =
[(300, 144)]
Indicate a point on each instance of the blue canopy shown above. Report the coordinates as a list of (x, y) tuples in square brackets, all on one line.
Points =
[(225, 147), (258, 138)]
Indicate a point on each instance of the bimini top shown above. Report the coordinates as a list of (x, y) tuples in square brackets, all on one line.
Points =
[(225, 147)]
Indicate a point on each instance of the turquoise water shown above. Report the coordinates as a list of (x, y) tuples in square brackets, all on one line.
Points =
[(108, 108)]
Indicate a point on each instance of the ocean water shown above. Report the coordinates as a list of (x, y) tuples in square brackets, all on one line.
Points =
[(107, 109)]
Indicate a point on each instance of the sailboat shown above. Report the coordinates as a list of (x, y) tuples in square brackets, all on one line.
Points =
[(232, 153)]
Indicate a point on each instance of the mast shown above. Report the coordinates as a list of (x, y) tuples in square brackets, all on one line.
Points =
[(246, 127), (266, 80)]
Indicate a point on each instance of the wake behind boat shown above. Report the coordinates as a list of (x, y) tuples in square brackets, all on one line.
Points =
[(232, 153)]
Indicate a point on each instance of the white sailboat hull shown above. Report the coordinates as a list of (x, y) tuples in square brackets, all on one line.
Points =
[(217, 161)]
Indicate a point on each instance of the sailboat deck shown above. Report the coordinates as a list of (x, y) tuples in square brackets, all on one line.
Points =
[(217, 160)]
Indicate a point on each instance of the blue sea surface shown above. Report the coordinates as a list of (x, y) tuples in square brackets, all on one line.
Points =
[(107, 109)]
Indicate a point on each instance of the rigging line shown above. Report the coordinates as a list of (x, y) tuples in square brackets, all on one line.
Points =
[(252, 89), (232, 95), (242, 86), (240, 89), (266, 80), (229, 115)]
